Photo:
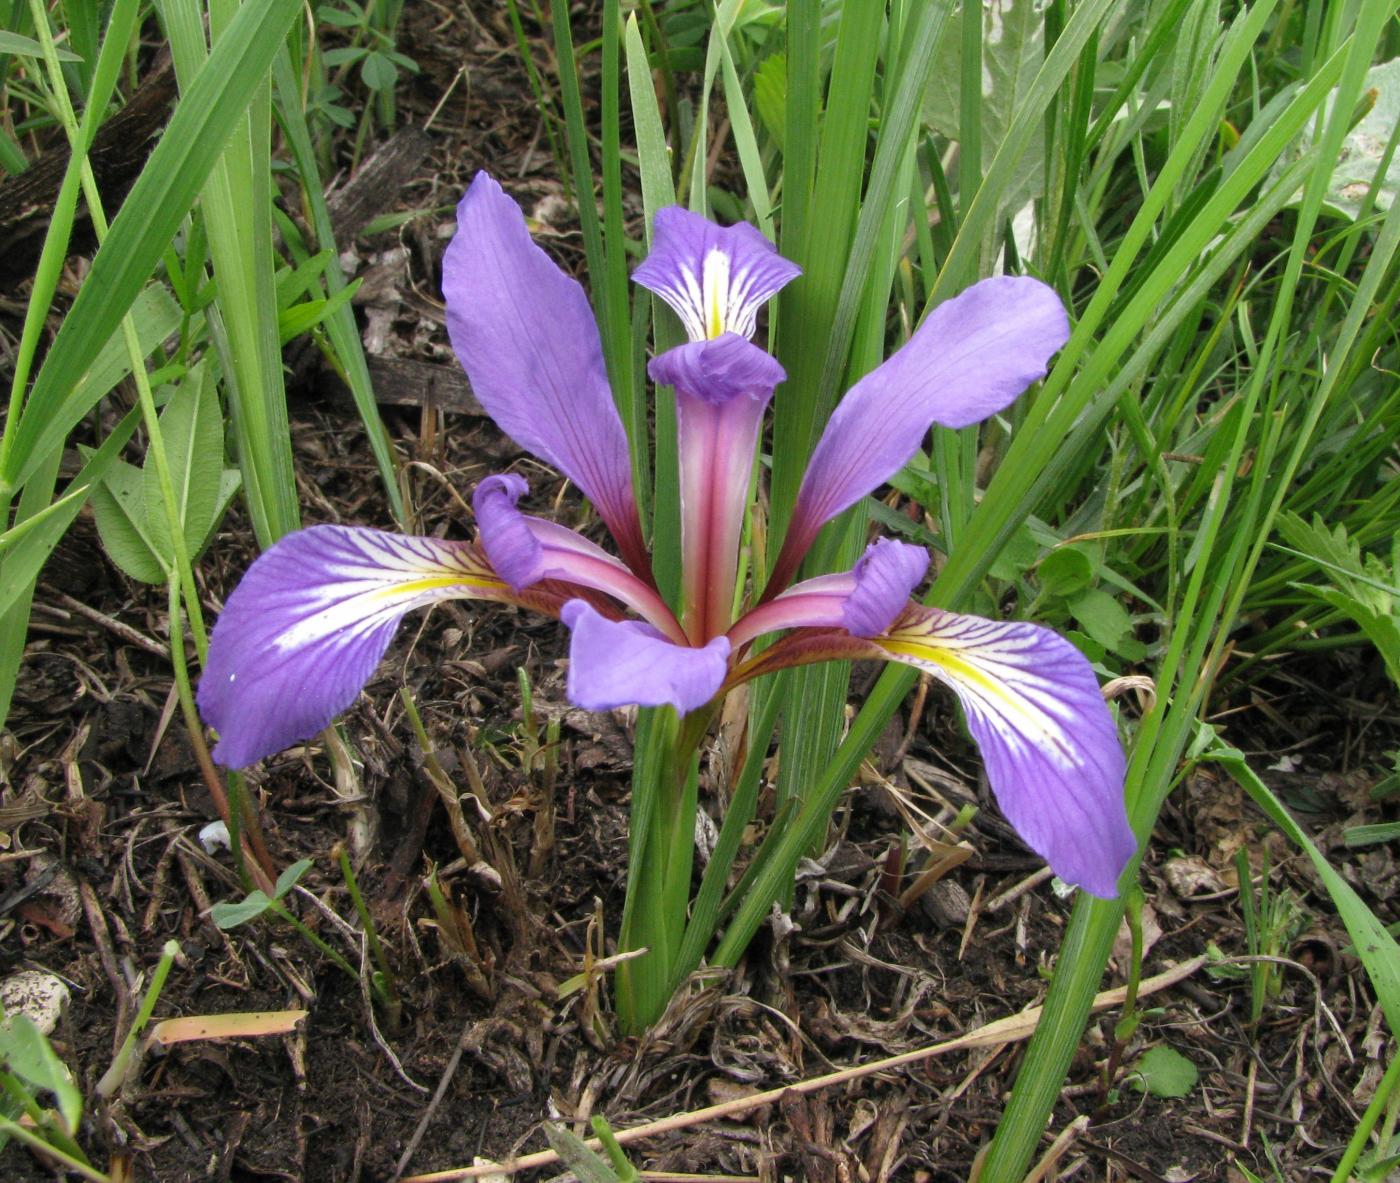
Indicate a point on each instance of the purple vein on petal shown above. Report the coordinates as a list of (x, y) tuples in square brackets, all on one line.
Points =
[(303, 631), (715, 278), (1049, 742)]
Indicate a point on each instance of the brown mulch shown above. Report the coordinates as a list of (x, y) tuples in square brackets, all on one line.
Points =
[(102, 801)]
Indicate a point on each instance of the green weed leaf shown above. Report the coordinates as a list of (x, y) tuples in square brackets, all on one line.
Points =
[(1165, 1072), (27, 1054), (228, 916), (119, 506), (192, 429), (1065, 572)]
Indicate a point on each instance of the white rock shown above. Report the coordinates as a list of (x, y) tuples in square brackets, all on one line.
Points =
[(40, 996)]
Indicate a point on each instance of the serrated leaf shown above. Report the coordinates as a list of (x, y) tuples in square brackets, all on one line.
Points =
[(119, 508), (28, 1054), (192, 428), (1165, 1072)]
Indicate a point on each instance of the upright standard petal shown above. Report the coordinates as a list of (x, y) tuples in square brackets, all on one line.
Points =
[(715, 278), (304, 630), (616, 663), (525, 550), (864, 600), (722, 387), (971, 357), (1033, 705), (527, 339)]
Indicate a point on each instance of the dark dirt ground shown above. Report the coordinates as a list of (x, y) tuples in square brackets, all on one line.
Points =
[(102, 797)]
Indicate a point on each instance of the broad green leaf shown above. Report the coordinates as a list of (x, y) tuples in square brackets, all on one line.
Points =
[(27, 1053), (1016, 557), (1013, 48), (230, 481), (291, 877), (1165, 1072), (1363, 149), (378, 72), (1102, 617), (192, 428), (1065, 571), (119, 506), (226, 915)]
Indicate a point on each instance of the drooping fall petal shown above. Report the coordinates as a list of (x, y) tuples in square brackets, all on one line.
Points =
[(1033, 705), (615, 663), (715, 278), (971, 357), (304, 630), (1048, 740), (526, 336)]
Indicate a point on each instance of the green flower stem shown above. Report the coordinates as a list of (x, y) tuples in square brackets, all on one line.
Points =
[(660, 863)]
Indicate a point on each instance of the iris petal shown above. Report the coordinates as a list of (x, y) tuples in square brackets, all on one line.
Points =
[(1033, 705), (722, 387), (615, 663), (526, 550), (864, 600), (715, 278), (304, 630), (971, 357), (1049, 743), (525, 334)]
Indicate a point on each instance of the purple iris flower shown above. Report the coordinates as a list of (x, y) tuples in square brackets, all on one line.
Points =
[(304, 630)]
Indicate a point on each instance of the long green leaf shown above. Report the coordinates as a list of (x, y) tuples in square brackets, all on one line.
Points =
[(149, 218)]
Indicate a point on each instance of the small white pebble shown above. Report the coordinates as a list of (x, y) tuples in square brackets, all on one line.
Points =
[(214, 837), (40, 996)]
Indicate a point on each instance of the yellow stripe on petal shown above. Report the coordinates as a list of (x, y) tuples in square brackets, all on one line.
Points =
[(465, 586), (955, 667)]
